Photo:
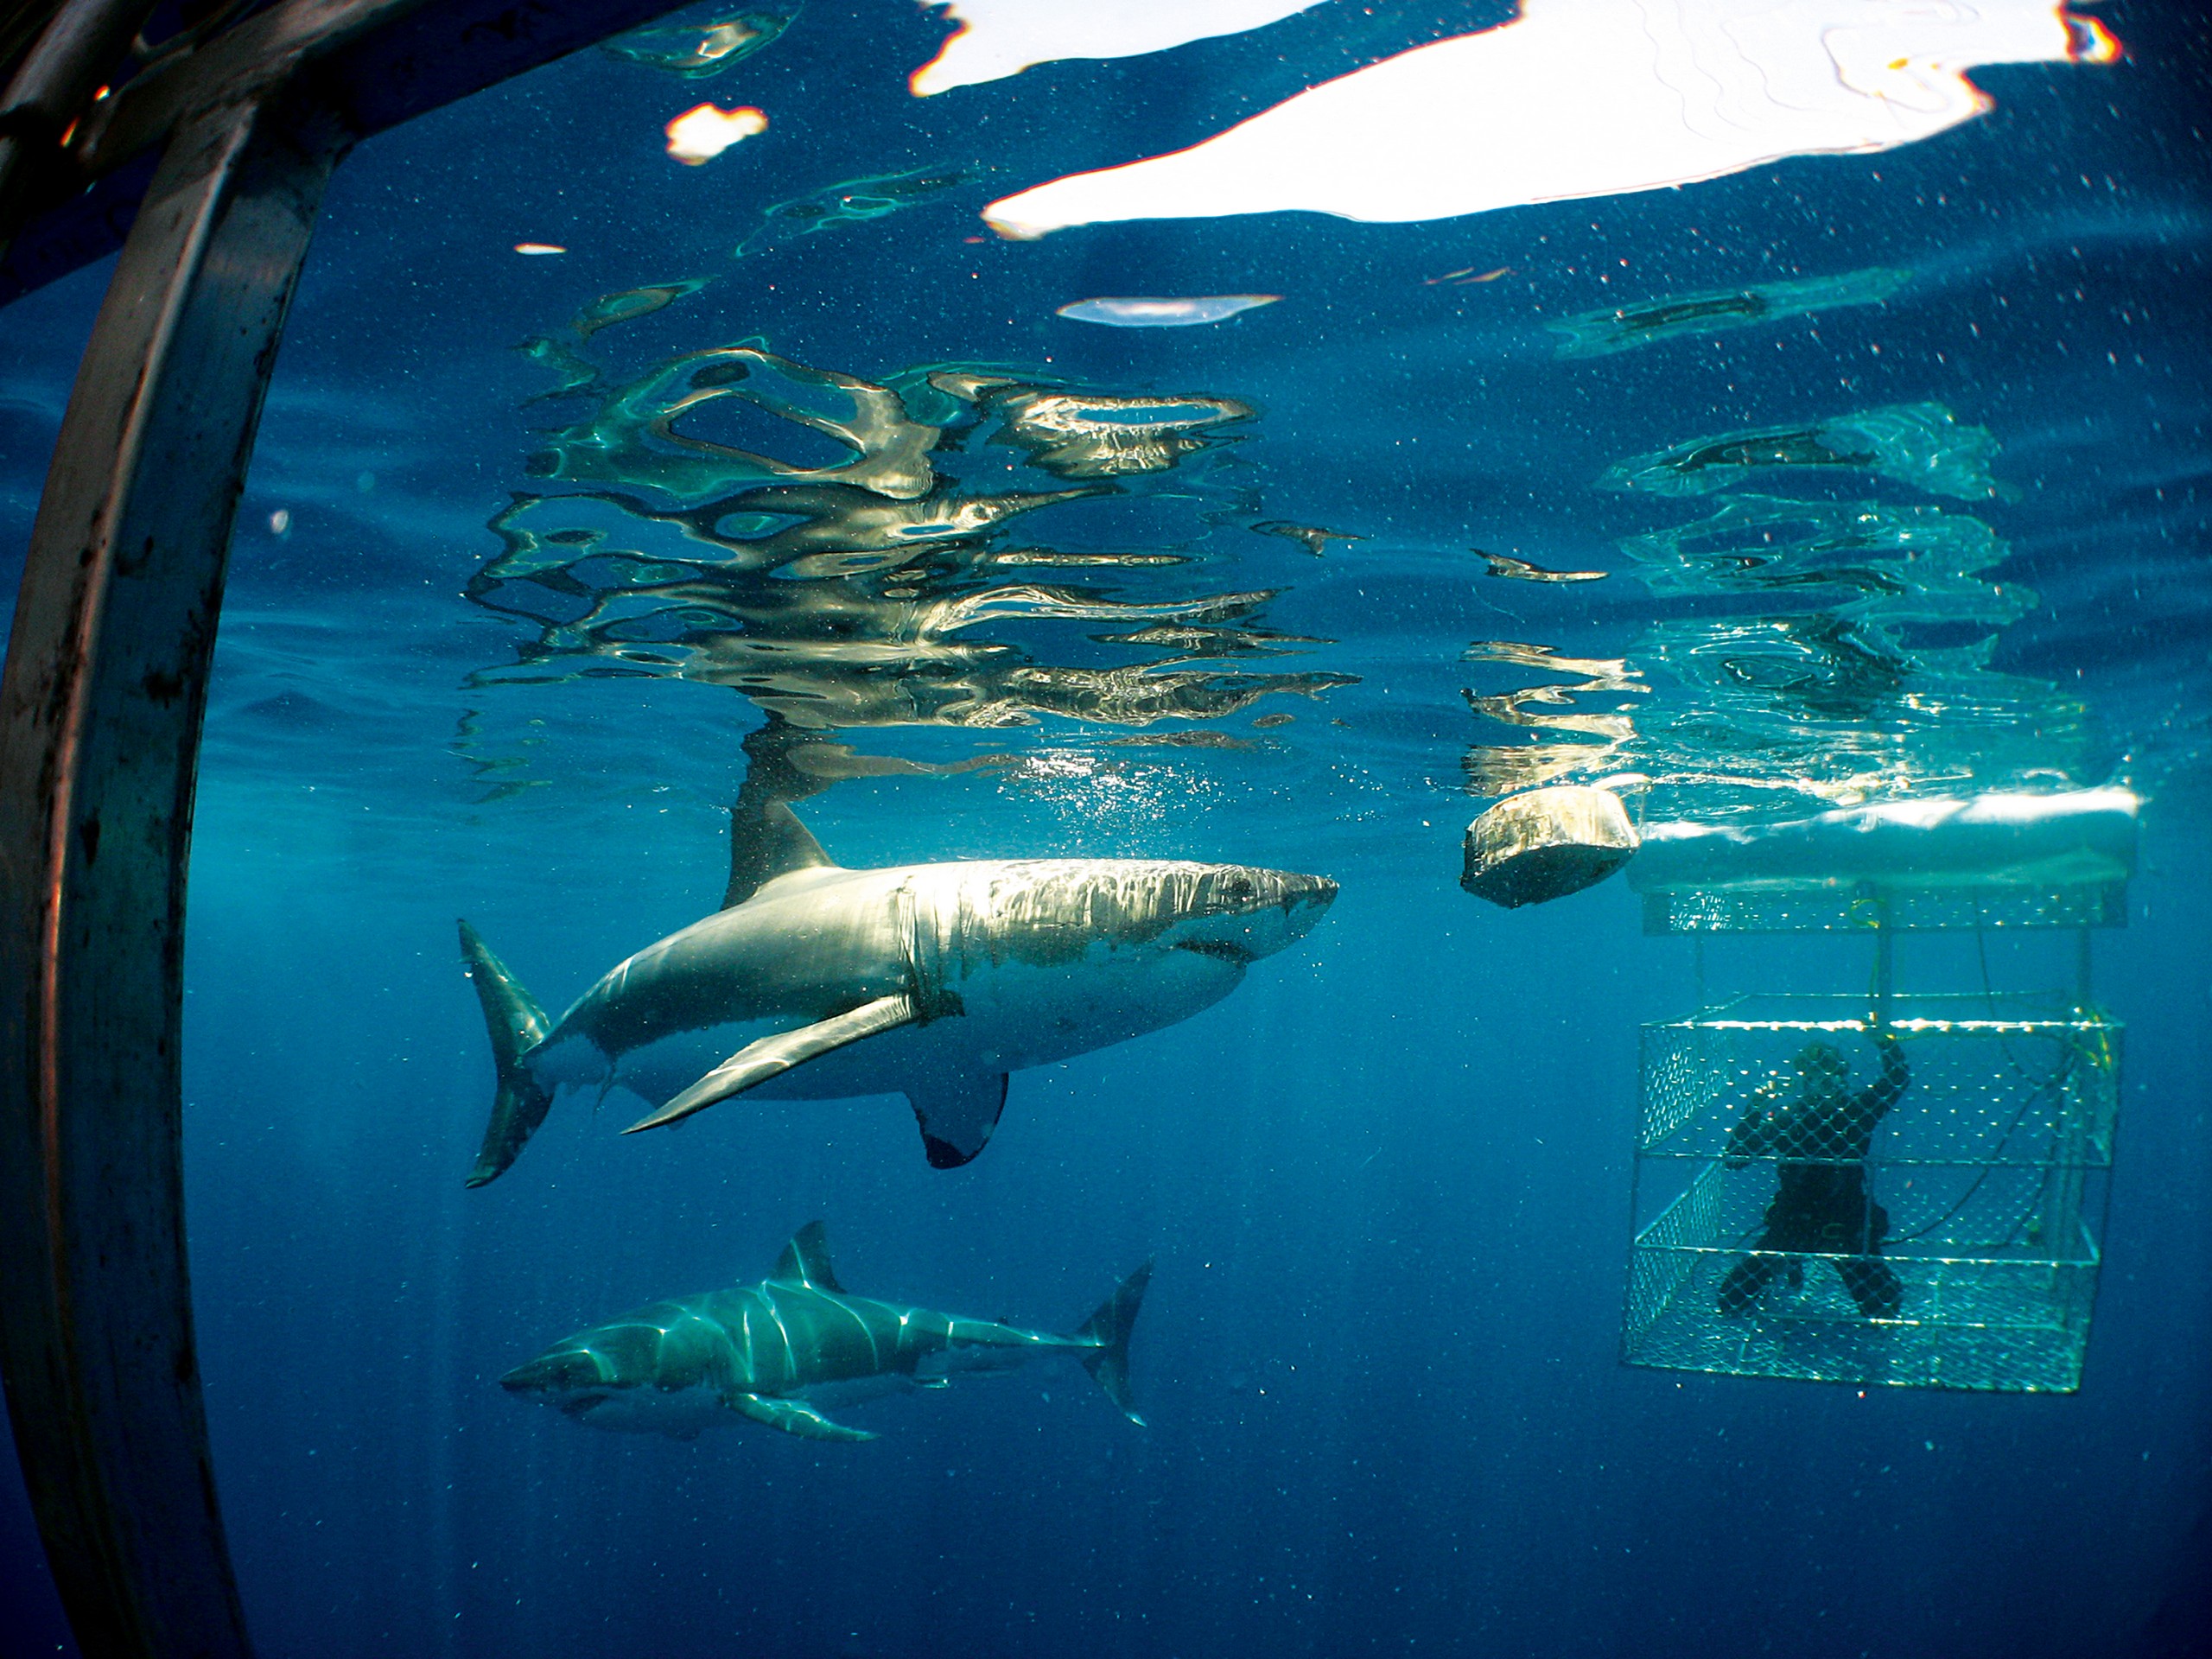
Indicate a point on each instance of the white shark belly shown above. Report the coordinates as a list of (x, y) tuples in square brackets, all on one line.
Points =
[(854, 1391), (675, 1063), (681, 1414), (975, 1360), (1016, 1015)]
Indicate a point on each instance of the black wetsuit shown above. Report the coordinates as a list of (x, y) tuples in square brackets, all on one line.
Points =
[(1822, 1205)]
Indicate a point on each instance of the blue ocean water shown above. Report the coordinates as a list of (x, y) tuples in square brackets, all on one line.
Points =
[(467, 669)]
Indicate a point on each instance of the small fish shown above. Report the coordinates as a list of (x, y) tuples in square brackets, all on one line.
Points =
[(1465, 275), (852, 200), (1204, 737), (697, 50), (1164, 313), (539, 247), (1521, 570), (632, 304), (1314, 539), (577, 373)]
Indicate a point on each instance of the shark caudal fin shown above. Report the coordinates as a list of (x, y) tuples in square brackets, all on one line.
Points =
[(517, 1025), (1108, 1362)]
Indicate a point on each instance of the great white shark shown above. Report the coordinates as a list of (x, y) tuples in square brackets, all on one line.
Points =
[(776, 1352), (932, 981)]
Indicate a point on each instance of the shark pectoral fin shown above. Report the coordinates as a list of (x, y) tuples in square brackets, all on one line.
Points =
[(771, 1055), (958, 1115), (793, 1417)]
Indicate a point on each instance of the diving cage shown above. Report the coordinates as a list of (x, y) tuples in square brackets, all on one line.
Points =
[(1972, 1260)]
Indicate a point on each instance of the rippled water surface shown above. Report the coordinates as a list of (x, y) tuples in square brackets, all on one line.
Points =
[(1279, 539)]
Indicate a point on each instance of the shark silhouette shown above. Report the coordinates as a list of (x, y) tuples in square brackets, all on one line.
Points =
[(776, 1352), (932, 981)]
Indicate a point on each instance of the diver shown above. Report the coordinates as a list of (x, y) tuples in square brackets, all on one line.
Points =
[(1818, 1132)]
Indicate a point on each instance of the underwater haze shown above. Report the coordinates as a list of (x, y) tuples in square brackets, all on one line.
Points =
[(1191, 525)]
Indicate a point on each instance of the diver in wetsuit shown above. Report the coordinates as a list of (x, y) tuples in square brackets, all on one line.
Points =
[(1820, 1132)]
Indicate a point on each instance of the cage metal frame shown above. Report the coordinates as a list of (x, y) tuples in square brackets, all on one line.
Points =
[(205, 164)]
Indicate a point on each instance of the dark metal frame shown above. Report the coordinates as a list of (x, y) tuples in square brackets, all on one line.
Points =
[(100, 713)]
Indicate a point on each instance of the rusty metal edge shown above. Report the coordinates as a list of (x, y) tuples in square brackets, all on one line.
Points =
[(100, 712), (379, 63)]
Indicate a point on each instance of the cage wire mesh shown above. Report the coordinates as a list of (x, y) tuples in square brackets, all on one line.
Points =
[(1843, 906), (1960, 1248)]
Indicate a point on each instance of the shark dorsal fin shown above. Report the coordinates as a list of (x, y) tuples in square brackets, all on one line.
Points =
[(765, 844), (805, 1260)]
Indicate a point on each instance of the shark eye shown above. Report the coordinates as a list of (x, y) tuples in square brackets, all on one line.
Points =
[(1236, 886)]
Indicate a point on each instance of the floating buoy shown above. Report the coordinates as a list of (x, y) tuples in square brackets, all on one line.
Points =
[(1545, 843)]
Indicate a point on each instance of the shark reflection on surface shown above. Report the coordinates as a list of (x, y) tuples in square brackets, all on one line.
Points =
[(864, 589)]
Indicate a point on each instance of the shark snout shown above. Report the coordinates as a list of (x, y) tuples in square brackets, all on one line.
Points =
[(563, 1371), (1308, 899), (1243, 913)]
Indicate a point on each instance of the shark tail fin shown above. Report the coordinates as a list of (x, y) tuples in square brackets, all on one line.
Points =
[(1108, 1362), (517, 1025)]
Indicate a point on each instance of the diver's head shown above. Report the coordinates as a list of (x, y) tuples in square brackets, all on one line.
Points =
[(1821, 1066)]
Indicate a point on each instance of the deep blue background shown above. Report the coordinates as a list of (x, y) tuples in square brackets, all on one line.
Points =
[(1387, 1182)]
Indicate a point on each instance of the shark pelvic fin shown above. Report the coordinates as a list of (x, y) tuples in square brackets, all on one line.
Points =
[(517, 1025), (1108, 1362), (957, 1116), (805, 1260), (793, 1417), (765, 844), (772, 1056)]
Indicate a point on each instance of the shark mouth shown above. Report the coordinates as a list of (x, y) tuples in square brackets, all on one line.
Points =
[(1221, 951)]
